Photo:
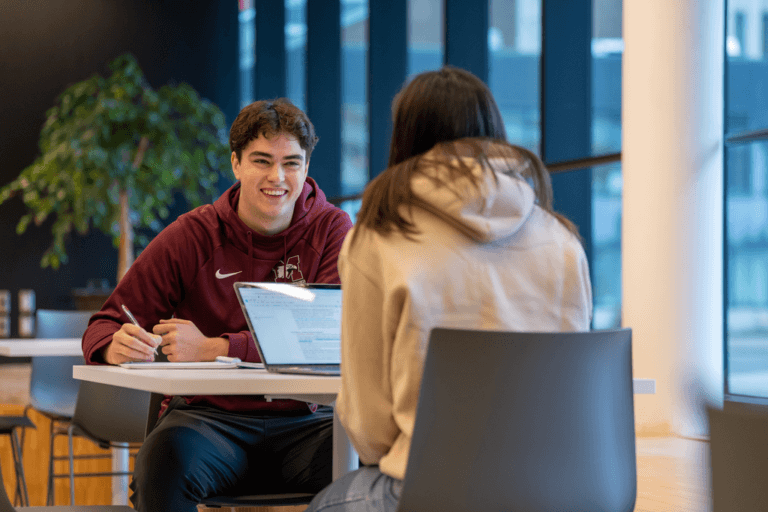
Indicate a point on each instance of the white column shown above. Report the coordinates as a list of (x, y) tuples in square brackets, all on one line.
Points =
[(672, 234)]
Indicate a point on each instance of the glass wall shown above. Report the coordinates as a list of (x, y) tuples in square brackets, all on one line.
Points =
[(247, 42), (746, 209), (354, 113), (606, 246), (514, 44), (296, 51), (607, 50), (747, 272), (425, 35)]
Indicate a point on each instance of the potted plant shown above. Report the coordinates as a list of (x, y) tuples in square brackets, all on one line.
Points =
[(113, 153)]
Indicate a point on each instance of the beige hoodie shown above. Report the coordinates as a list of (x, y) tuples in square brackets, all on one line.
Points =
[(499, 264)]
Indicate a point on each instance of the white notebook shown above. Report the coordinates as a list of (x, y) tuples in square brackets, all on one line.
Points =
[(204, 365)]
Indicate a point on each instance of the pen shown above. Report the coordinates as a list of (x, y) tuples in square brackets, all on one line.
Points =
[(134, 322)]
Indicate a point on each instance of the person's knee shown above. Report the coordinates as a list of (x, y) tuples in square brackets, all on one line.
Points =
[(309, 465), (363, 489), (168, 454)]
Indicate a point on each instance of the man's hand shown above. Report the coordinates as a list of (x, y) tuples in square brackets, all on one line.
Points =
[(183, 341), (131, 343)]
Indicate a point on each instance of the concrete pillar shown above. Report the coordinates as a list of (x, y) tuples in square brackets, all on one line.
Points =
[(672, 228)]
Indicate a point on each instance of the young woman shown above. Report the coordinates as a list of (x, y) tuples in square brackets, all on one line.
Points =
[(457, 232)]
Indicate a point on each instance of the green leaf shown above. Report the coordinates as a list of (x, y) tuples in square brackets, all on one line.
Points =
[(21, 227)]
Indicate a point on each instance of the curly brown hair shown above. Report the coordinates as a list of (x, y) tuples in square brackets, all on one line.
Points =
[(270, 118)]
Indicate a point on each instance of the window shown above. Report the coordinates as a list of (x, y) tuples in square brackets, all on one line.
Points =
[(247, 43), (746, 200), (739, 26), (765, 36), (354, 113), (425, 35), (514, 39), (514, 44), (747, 268), (296, 51), (607, 50)]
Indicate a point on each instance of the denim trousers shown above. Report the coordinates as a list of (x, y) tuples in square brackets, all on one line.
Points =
[(364, 490), (197, 451)]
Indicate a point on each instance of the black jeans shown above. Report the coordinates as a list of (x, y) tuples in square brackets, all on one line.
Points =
[(196, 452)]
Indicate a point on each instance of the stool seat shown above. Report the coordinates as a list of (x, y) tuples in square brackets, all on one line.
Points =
[(8, 423)]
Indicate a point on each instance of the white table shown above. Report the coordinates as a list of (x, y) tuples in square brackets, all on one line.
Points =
[(236, 381), (157, 380), (241, 381), (34, 347)]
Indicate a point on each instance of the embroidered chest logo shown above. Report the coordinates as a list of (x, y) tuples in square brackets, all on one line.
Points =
[(290, 271), (219, 275)]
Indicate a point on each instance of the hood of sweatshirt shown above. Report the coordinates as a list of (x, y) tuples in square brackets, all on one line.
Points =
[(309, 205), (497, 208)]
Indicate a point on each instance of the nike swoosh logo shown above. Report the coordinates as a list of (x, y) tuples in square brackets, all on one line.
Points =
[(219, 275)]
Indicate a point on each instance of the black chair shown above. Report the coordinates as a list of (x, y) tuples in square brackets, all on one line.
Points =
[(527, 422), (738, 444), (109, 416), (6, 506), (254, 500), (10, 426)]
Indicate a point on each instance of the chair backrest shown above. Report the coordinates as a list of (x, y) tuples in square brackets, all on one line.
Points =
[(52, 389), (110, 413), (51, 323), (738, 443), (524, 422)]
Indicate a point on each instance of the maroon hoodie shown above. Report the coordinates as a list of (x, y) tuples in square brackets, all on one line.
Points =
[(188, 269)]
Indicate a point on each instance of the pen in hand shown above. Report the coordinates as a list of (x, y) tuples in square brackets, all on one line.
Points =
[(136, 323)]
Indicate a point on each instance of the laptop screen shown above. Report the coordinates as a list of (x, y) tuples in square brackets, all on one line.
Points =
[(294, 324)]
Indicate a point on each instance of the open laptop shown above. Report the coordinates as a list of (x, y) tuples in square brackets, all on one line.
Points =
[(296, 328)]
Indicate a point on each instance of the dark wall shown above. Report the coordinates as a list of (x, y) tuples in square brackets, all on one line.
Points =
[(46, 46)]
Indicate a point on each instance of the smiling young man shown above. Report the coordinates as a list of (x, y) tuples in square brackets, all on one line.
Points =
[(272, 172), (273, 224)]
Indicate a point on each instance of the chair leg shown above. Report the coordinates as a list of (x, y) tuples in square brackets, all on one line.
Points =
[(17, 499), (49, 497), (27, 408), (18, 460), (24, 429), (71, 466)]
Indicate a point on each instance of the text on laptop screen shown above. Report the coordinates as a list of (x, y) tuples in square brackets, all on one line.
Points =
[(300, 328)]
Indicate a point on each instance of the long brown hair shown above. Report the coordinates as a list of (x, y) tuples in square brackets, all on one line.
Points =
[(453, 112)]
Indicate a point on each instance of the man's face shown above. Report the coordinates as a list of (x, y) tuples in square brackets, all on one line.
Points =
[(272, 172)]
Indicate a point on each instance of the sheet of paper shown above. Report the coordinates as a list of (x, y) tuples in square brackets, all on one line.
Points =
[(213, 365)]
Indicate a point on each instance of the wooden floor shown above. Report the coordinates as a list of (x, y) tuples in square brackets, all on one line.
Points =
[(672, 473)]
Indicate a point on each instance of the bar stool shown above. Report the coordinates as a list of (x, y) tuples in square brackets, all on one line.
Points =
[(53, 391), (9, 426), (5, 505)]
